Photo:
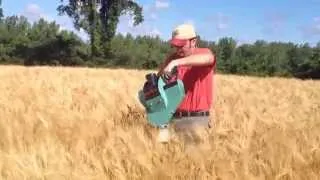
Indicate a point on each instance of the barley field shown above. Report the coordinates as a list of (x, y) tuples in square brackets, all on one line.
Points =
[(85, 124)]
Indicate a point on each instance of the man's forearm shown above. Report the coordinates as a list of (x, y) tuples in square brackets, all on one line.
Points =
[(195, 60)]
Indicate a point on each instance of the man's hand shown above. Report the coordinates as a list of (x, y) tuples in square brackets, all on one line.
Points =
[(168, 69)]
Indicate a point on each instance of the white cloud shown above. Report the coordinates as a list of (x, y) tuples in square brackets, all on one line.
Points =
[(126, 26), (312, 29), (32, 9), (150, 12), (33, 12), (222, 26), (220, 21), (156, 6), (159, 4), (153, 16)]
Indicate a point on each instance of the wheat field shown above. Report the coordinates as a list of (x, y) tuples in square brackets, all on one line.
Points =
[(82, 123)]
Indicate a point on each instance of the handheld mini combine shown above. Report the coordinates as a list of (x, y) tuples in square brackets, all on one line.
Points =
[(161, 97)]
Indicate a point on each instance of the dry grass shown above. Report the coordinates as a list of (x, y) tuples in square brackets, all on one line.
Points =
[(77, 123)]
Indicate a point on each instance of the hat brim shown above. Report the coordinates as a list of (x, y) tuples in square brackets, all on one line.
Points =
[(178, 42)]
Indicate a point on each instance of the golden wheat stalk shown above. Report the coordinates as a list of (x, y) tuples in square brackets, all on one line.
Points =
[(81, 123)]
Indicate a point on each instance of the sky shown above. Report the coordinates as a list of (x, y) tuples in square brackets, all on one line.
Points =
[(246, 21)]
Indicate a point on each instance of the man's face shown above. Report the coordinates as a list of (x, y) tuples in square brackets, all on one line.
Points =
[(185, 50)]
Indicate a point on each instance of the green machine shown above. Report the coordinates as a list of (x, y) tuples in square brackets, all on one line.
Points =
[(161, 98)]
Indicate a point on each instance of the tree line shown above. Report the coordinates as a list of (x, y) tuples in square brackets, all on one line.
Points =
[(44, 43)]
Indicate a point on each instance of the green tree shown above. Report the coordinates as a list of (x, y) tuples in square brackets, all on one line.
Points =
[(225, 52), (44, 43), (40, 43), (99, 18), (1, 11), (314, 61)]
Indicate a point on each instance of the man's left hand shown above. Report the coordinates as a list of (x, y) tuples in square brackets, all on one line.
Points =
[(168, 69)]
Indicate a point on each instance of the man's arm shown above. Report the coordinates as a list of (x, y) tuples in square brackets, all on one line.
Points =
[(195, 60)]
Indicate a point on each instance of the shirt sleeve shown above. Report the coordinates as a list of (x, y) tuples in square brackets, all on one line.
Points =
[(211, 66)]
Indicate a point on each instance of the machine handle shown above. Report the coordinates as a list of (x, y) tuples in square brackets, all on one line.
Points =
[(168, 76)]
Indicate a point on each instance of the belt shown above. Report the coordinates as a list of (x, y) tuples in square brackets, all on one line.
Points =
[(191, 114)]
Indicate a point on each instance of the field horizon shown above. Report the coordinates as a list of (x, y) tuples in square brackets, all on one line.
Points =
[(87, 123)]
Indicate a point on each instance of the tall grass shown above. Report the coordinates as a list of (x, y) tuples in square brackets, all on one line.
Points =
[(78, 123)]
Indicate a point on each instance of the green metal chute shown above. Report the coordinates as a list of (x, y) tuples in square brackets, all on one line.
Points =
[(161, 99)]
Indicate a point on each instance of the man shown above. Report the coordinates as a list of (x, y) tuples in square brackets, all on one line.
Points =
[(195, 67)]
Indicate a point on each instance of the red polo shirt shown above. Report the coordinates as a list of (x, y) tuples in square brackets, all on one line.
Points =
[(198, 83)]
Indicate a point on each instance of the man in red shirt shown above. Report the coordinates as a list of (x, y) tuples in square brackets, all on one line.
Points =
[(195, 67)]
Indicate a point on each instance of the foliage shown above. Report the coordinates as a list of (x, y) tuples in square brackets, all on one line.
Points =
[(1, 11), (43, 43), (99, 18)]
